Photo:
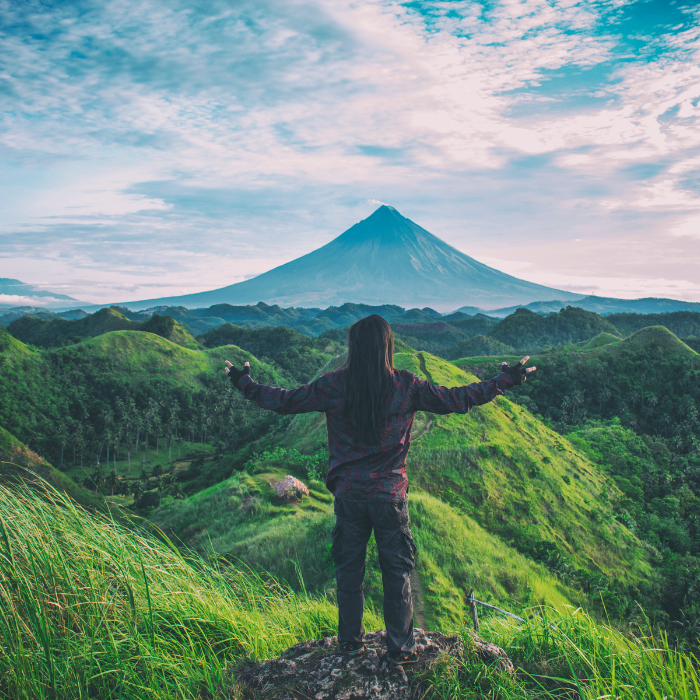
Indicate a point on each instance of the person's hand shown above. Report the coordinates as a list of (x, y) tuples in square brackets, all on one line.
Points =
[(518, 373), (235, 374)]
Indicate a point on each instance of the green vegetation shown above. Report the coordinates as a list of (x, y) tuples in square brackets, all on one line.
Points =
[(498, 469), (582, 488), (299, 356), (526, 329), (109, 400), (92, 609), (680, 323), (18, 464), (58, 332), (633, 407)]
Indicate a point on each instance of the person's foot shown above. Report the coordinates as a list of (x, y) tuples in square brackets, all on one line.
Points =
[(351, 647), (403, 657)]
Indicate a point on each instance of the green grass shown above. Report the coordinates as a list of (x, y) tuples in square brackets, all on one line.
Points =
[(600, 340), (568, 655), (455, 554), (521, 480), (89, 609)]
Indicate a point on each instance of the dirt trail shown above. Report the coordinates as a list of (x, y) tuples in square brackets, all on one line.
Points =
[(428, 426), (423, 368)]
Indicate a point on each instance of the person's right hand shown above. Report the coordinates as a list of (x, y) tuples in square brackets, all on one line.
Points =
[(235, 374), (518, 373)]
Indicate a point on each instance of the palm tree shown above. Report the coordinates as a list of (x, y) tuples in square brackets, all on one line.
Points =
[(566, 405), (577, 402), (156, 422), (112, 481), (137, 490), (62, 437)]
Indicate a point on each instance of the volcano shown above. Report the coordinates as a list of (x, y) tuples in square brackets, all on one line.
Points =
[(384, 259)]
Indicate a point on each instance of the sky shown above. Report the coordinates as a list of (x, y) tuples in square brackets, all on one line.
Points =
[(151, 148)]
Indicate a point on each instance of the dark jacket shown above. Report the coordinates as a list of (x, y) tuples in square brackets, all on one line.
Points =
[(359, 472)]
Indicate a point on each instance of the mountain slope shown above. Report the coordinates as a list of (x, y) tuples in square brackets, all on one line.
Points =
[(72, 393), (385, 259), (19, 463), (494, 483)]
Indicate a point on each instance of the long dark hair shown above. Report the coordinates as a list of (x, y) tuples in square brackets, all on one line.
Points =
[(368, 378)]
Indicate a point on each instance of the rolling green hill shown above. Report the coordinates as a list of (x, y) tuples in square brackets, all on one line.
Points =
[(57, 332), (113, 390), (516, 486), (633, 406), (524, 328)]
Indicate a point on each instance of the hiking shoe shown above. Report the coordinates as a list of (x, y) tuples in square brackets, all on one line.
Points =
[(403, 657), (351, 647)]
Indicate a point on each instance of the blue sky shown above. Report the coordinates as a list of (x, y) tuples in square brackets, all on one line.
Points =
[(150, 148)]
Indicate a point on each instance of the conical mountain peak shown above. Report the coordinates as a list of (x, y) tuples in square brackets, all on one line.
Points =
[(384, 259), (384, 225)]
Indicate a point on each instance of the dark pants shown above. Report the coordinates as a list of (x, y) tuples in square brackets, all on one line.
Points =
[(354, 523)]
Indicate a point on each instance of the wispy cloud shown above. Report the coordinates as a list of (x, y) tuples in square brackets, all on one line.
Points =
[(188, 146)]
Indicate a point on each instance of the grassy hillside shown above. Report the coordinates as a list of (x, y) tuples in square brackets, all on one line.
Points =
[(19, 464), (91, 609), (126, 615), (243, 519), (633, 406), (56, 332), (521, 480), (84, 401), (498, 470)]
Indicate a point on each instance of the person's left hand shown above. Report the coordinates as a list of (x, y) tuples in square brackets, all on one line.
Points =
[(518, 373), (235, 374)]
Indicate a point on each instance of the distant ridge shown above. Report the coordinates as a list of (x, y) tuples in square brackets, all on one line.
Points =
[(599, 305), (384, 259), (13, 287)]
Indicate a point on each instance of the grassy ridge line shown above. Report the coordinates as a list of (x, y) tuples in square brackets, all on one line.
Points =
[(519, 479), (242, 518), (456, 553), (91, 609)]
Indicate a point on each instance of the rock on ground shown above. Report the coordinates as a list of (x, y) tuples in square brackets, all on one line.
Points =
[(317, 670), (289, 487)]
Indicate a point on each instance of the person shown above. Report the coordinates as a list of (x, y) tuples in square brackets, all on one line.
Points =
[(369, 409)]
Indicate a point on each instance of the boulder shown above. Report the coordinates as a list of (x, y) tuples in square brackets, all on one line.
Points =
[(319, 671), (289, 487)]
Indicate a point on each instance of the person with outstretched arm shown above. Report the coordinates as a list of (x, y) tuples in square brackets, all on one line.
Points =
[(369, 409)]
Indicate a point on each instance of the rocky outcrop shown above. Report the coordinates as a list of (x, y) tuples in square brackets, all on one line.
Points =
[(318, 670), (289, 488)]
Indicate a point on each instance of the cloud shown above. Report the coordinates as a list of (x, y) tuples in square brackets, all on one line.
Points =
[(141, 139), (690, 228), (10, 300)]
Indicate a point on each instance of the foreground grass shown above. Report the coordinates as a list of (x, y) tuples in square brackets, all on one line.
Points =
[(570, 656), (91, 609)]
